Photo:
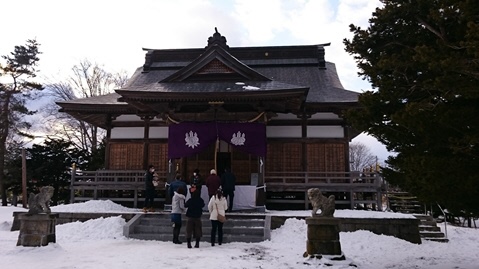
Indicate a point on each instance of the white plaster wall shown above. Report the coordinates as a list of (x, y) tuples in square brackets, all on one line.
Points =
[(284, 116), (324, 116), (158, 132), (325, 132), (127, 133), (127, 118), (317, 116), (283, 131), (133, 118)]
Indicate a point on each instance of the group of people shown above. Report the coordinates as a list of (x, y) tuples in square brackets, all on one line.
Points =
[(219, 190)]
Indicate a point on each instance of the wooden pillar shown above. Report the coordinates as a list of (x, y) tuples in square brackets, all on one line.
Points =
[(72, 183), (24, 179), (346, 149), (108, 138), (304, 136), (146, 139)]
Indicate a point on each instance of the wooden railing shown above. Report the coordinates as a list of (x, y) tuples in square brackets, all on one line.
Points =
[(115, 185), (360, 190), (127, 186)]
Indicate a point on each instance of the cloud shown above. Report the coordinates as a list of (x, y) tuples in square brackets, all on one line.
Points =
[(114, 33)]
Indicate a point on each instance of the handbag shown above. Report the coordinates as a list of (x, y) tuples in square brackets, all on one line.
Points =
[(156, 180), (221, 218)]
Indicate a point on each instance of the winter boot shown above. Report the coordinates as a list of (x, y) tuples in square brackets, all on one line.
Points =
[(197, 245), (188, 240), (176, 235)]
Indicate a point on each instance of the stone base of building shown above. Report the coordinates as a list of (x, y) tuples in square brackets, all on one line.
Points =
[(36, 230), (323, 238)]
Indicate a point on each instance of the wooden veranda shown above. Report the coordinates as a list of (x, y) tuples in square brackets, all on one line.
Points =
[(281, 190)]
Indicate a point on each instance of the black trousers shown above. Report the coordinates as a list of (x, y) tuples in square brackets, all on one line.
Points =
[(229, 195), (149, 197), (216, 226)]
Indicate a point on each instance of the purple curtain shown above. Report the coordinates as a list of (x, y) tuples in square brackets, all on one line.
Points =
[(188, 138), (247, 137)]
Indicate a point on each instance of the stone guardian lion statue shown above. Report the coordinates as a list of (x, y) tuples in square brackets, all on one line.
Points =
[(40, 202), (321, 202)]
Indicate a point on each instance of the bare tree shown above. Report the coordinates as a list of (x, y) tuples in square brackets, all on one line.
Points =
[(88, 79), (360, 157)]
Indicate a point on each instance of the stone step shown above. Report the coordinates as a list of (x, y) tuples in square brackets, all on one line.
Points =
[(231, 222), (428, 234), (424, 217), (429, 228), (147, 229), (237, 228), (227, 238), (428, 222), (436, 239)]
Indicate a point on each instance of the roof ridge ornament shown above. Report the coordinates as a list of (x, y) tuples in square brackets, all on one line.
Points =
[(217, 39)]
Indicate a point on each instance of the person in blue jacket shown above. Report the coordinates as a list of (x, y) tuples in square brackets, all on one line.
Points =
[(175, 184)]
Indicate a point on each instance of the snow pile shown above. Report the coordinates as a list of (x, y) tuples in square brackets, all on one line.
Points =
[(95, 229), (102, 206)]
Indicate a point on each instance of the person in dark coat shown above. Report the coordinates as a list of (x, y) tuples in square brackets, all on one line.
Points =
[(194, 210), (149, 189), (196, 179), (213, 182), (228, 182)]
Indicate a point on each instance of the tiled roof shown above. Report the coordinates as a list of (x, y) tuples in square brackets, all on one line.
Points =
[(288, 67), (107, 99)]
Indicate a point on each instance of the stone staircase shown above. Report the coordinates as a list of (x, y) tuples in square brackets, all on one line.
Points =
[(404, 202), (428, 229), (246, 228)]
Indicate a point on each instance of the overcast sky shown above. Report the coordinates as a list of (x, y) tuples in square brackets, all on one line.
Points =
[(112, 33)]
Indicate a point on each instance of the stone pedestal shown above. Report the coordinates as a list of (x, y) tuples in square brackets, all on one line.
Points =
[(36, 230), (323, 237)]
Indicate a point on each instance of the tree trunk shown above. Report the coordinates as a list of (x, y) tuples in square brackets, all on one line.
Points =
[(3, 191), (3, 138)]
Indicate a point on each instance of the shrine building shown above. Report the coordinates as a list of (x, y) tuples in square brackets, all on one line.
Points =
[(273, 114)]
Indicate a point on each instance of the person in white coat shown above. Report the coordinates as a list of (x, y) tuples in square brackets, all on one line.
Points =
[(217, 205), (177, 208)]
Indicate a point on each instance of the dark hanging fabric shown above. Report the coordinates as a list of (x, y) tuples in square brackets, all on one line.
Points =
[(247, 137), (188, 138)]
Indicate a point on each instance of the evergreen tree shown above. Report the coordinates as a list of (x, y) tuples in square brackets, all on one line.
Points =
[(50, 165), (422, 58), (16, 85)]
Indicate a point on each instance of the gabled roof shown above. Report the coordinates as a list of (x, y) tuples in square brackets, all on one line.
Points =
[(215, 64), (297, 76)]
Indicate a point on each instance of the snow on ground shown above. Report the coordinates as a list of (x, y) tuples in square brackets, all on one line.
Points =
[(99, 243)]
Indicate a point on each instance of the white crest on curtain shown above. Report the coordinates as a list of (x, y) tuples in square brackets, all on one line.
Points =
[(191, 139), (238, 139)]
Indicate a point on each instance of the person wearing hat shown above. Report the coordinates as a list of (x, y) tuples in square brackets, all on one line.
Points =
[(213, 183)]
